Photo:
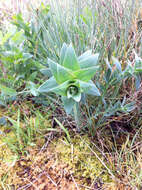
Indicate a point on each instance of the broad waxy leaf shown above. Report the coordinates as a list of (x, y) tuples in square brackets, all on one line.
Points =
[(70, 59), (61, 89), (68, 104), (94, 91), (51, 86), (86, 74), (46, 72), (33, 89), (48, 85), (89, 61), (89, 88), (63, 52), (60, 73), (27, 56), (77, 97), (84, 55)]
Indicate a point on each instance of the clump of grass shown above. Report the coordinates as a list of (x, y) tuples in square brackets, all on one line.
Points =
[(122, 151), (24, 127), (103, 27)]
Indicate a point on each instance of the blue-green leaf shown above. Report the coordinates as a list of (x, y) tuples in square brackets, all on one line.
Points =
[(46, 72), (27, 56), (33, 89), (77, 97), (60, 73), (93, 89), (61, 89), (63, 52), (89, 61), (86, 74), (84, 55), (68, 104), (89, 88), (70, 59), (51, 86), (48, 85)]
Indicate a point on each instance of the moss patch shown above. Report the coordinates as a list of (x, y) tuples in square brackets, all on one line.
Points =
[(63, 161), (60, 160), (81, 159)]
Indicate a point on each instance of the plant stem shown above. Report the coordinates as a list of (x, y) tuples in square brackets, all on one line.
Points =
[(76, 116)]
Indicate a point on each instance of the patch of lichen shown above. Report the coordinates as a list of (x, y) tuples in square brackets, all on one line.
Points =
[(81, 159)]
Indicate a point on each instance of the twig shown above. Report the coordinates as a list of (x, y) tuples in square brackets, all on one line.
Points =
[(50, 179), (75, 182), (86, 186), (46, 144)]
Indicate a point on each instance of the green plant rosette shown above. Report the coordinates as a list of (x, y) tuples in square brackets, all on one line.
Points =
[(72, 76)]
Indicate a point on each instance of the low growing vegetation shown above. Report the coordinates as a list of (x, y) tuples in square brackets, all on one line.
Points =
[(71, 96)]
